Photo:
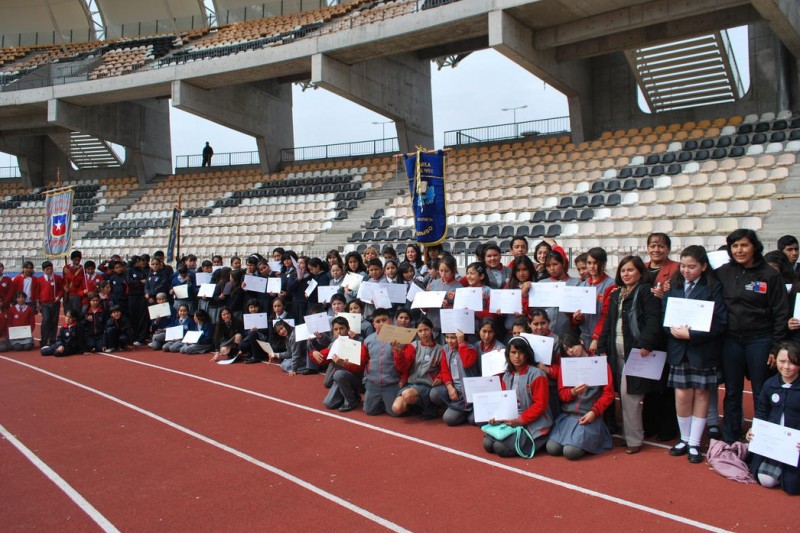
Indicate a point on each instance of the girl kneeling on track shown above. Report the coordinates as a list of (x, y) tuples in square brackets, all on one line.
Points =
[(530, 384), (579, 429)]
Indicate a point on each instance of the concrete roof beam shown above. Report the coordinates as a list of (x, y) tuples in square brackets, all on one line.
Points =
[(783, 17)]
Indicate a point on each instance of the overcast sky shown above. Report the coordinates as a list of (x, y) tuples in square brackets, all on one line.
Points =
[(471, 95)]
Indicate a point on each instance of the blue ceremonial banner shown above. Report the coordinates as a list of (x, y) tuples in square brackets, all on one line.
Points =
[(426, 178), (58, 222), (174, 232)]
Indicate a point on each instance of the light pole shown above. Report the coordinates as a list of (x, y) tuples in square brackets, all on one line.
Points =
[(514, 110), (383, 133)]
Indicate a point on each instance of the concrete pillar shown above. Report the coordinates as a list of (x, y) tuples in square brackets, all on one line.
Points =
[(141, 126), (516, 41), (397, 87), (262, 109), (38, 157)]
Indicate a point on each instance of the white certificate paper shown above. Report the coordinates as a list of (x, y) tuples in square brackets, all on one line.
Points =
[(346, 348), (493, 363), (775, 442), (207, 290), (275, 266), (289, 321), (393, 333), (546, 294), (354, 319), (380, 298), (191, 337), (311, 287), (352, 281), (325, 293), (542, 347), (175, 333), (428, 300), (255, 283), (273, 285), (649, 367), (255, 320), (458, 319), (796, 308), (318, 323), (583, 299), (500, 405), (267, 347), (202, 277), (481, 384), (22, 332), (159, 310), (507, 301), (301, 333), (469, 298), (396, 291), (696, 314), (589, 370), (181, 292), (413, 289)]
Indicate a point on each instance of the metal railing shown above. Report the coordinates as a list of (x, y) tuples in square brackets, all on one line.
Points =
[(218, 160), (513, 130), (352, 149)]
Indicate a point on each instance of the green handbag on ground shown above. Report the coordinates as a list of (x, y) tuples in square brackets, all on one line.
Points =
[(503, 431)]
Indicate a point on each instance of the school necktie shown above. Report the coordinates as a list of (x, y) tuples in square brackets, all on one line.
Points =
[(689, 287)]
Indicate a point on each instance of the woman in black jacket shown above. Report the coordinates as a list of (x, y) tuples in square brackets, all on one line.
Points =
[(758, 313), (694, 356), (633, 321)]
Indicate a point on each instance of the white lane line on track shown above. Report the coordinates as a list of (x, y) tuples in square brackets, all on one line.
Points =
[(51, 474), (452, 451), (233, 451)]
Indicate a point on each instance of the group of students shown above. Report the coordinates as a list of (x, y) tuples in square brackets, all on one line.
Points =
[(752, 335)]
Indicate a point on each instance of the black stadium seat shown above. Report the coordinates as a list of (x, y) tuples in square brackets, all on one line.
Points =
[(656, 170), (537, 231), (462, 232), (762, 127), (553, 231), (779, 124), (701, 155), (684, 157), (724, 142), (668, 158), (565, 202), (759, 138), (473, 246), (507, 231), (612, 185), (777, 137), (736, 151), (719, 153), (613, 199), (597, 200), (539, 216), (794, 135), (570, 215), (706, 144), (581, 201), (554, 216), (691, 144), (640, 172), (674, 169), (476, 233), (652, 159), (598, 186), (646, 183), (586, 214), (459, 247), (629, 184), (745, 128), (625, 173), (492, 231)]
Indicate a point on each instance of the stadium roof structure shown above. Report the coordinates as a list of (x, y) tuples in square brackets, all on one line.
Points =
[(378, 55), (54, 20)]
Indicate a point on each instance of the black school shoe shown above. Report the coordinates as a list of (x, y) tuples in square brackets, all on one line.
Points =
[(251, 360), (682, 448), (694, 454)]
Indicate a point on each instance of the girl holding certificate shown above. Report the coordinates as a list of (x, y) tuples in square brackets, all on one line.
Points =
[(694, 357), (592, 325), (422, 375), (556, 264), (530, 384), (579, 429), (633, 321), (448, 271), (523, 275), (459, 360), (779, 403)]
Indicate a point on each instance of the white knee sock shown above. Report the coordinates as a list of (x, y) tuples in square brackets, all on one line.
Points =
[(768, 481), (685, 426), (698, 425)]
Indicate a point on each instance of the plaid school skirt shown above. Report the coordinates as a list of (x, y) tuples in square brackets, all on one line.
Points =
[(684, 376)]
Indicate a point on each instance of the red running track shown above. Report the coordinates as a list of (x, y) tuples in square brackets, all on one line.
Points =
[(139, 472)]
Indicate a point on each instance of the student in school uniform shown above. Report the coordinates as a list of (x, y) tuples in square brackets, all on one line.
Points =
[(21, 314), (413, 256), (446, 281), (4, 344), (119, 332), (353, 264), (136, 278), (26, 283), (74, 282), (69, 340), (459, 360), (48, 293), (422, 373), (530, 385), (343, 376), (591, 325), (694, 357), (374, 275), (386, 364), (6, 289), (183, 319), (779, 403), (556, 264), (317, 268), (158, 326), (228, 333), (579, 429), (91, 280), (522, 277), (248, 346), (539, 255), (184, 276), (206, 340), (94, 324), (497, 275), (119, 286)]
